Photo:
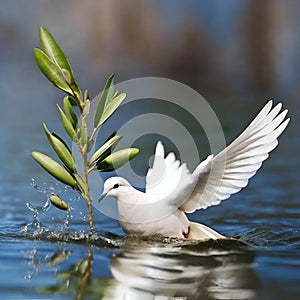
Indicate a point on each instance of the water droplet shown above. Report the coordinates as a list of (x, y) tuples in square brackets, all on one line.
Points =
[(37, 187), (28, 276), (67, 221)]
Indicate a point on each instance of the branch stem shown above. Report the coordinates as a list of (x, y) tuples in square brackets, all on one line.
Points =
[(86, 195)]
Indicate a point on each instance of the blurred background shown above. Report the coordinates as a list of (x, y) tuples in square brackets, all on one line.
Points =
[(236, 54)]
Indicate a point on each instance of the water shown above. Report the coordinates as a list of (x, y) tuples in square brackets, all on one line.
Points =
[(56, 261), (138, 268)]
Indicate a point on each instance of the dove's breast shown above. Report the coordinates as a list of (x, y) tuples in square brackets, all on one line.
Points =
[(172, 225)]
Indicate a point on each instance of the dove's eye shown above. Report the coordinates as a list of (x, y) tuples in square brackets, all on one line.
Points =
[(116, 186)]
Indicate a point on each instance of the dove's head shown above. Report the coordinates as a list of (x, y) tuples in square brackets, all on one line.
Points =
[(115, 187)]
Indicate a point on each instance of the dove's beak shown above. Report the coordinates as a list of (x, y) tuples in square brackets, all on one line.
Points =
[(103, 195)]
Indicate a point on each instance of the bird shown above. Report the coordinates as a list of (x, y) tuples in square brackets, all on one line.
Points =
[(172, 190)]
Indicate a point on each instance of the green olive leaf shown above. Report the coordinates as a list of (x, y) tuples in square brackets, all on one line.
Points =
[(117, 159), (66, 75), (61, 149), (53, 50), (110, 108), (69, 111), (51, 70), (67, 124), (104, 150), (81, 184), (55, 169), (55, 53), (72, 100), (108, 91), (58, 202)]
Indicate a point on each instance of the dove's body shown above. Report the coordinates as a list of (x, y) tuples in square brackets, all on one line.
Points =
[(171, 190), (137, 209)]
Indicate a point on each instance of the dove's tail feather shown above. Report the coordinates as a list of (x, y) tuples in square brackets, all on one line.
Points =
[(201, 232)]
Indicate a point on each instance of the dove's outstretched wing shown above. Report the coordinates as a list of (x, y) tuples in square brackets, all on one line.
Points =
[(228, 172), (168, 179)]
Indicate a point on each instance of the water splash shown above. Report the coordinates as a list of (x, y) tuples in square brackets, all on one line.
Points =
[(45, 188), (40, 188), (36, 210), (35, 225), (66, 222)]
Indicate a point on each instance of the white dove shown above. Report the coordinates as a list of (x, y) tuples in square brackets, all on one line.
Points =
[(172, 190)]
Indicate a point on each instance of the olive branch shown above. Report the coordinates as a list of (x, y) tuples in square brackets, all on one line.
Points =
[(73, 113)]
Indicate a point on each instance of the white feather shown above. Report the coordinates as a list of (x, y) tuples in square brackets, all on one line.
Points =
[(242, 158)]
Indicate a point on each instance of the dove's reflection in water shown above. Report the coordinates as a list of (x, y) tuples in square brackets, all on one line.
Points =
[(186, 272)]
